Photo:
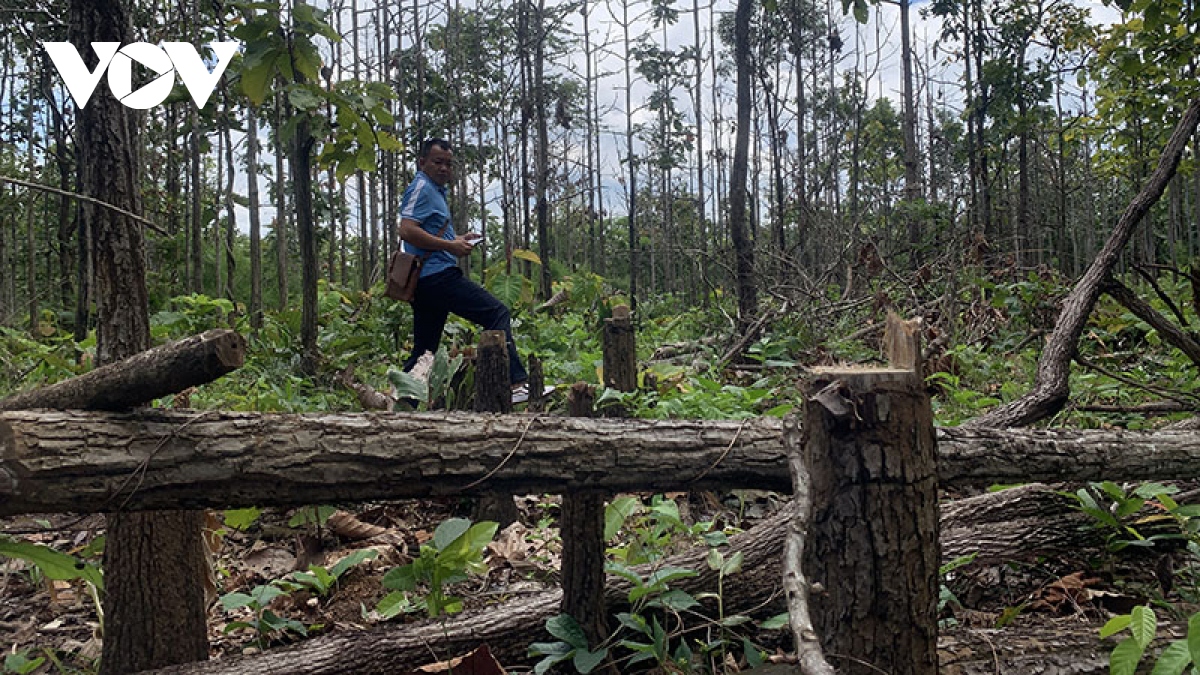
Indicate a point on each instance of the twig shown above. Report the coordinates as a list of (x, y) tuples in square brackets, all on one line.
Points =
[(85, 198), (506, 457), (140, 472), (723, 454), (1088, 363)]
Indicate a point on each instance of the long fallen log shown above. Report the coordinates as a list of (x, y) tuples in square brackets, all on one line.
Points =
[(166, 459), (163, 370)]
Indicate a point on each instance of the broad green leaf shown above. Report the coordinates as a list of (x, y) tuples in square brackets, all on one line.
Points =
[(394, 604), (448, 531), (565, 628), (351, 560), (776, 622), (240, 519), (585, 661), (1193, 638), (1125, 657), (675, 599), (1173, 659), (303, 98), (263, 595), (715, 559), (408, 386), (1144, 625), (236, 600), (733, 565), (617, 512), (53, 564), (1115, 625), (753, 655), (403, 578)]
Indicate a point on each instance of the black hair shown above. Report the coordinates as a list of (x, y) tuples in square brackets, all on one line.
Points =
[(430, 143)]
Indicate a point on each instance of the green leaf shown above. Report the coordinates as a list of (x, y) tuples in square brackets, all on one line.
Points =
[(676, 600), (733, 565), (1115, 625), (240, 519), (448, 531), (565, 628), (1193, 637), (351, 560), (394, 604), (1124, 658), (585, 661), (263, 595), (617, 512), (777, 622), (303, 98), (236, 600), (403, 578), (408, 386), (1173, 659), (715, 559), (53, 564), (753, 655), (861, 14), (1144, 625)]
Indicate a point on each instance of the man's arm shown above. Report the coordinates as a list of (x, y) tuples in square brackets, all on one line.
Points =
[(412, 232)]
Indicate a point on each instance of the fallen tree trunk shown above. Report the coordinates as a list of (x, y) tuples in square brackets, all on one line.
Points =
[(139, 379), (166, 459), (508, 630), (1019, 523)]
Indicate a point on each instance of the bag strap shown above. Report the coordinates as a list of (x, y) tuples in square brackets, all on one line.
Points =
[(439, 235)]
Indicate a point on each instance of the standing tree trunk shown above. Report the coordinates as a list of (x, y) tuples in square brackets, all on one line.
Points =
[(543, 150), (747, 292), (256, 304), (281, 210), (912, 175), (154, 561)]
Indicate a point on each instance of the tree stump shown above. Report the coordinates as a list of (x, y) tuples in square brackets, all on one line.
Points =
[(872, 553), (581, 526), (493, 393), (620, 354)]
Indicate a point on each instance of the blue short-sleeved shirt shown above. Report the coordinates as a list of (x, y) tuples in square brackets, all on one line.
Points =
[(425, 202)]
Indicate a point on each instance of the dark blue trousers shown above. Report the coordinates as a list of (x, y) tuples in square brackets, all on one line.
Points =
[(451, 291)]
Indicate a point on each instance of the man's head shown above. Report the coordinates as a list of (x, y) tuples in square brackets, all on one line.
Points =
[(437, 160)]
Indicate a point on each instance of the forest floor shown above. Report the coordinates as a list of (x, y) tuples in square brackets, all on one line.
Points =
[(1074, 592)]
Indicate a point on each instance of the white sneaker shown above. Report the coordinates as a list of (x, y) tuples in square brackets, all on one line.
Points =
[(520, 392)]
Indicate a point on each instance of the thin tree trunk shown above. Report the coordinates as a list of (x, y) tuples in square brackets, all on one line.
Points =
[(31, 296), (747, 292), (543, 150), (256, 302), (282, 214)]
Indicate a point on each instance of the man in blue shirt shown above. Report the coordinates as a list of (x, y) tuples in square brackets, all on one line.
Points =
[(443, 288)]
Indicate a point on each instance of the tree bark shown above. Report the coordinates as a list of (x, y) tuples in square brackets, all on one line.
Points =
[(739, 224), (78, 461), (507, 632), (870, 451), (1051, 387), (1173, 334), (141, 378), (154, 601)]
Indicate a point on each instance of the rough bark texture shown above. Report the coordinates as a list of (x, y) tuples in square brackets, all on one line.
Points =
[(1051, 386), (873, 540), (87, 462), (1073, 649), (493, 393), (805, 639), (154, 601), (620, 355), (509, 630), (492, 386), (143, 377), (1020, 523), (1170, 332)]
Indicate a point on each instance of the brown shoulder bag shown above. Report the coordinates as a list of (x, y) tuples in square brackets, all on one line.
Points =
[(404, 270)]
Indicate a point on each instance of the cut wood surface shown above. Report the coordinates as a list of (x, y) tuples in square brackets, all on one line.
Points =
[(93, 461), (163, 370)]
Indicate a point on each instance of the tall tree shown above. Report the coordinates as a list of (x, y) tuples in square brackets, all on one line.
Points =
[(747, 290), (154, 561)]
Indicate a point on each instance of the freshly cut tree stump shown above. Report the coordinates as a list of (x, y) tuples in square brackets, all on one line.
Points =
[(872, 551)]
